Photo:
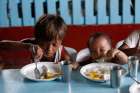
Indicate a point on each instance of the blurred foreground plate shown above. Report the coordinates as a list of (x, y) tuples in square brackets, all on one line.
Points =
[(134, 88), (28, 70), (99, 72)]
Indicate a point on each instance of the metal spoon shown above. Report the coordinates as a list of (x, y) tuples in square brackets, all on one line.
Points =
[(36, 70), (45, 71), (138, 82)]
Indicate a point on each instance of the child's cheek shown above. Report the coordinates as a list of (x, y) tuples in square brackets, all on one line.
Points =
[(54, 50)]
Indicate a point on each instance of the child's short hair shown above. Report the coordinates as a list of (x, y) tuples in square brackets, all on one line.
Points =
[(96, 35), (50, 27)]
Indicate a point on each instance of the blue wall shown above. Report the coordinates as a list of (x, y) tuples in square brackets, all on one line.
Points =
[(27, 12)]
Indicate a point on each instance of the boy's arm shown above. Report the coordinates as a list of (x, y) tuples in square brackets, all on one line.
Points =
[(117, 56), (130, 51), (121, 57), (130, 46)]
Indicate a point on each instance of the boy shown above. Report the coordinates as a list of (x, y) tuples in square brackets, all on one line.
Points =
[(49, 33)]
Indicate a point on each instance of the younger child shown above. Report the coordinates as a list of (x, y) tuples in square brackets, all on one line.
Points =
[(100, 48)]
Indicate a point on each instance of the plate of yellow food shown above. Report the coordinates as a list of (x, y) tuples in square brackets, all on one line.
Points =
[(99, 72), (48, 71)]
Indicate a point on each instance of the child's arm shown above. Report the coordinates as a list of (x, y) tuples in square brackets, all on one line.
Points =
[(122, 57), (118, 56), (133, 42), (130, 51)]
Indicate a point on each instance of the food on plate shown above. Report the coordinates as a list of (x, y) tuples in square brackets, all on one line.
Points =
[(95, 75), (98, 74), (48, 75)]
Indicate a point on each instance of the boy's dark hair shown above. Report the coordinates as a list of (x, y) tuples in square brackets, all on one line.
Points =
[(50, 27), (96, 35)]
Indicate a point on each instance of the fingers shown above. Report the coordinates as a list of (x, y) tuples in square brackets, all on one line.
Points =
[(74, 65), (37, 52), (112, 53), (40, 53)]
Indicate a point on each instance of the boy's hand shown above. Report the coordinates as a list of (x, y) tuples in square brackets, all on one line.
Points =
[(74, 65), (37, 52), (112, 53)]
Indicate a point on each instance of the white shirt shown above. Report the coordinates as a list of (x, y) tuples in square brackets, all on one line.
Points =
[(132, 39)]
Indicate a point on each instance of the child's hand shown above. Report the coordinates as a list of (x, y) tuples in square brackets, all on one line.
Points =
[(112, 53), (74, 65), (37, 52), (118, 55)]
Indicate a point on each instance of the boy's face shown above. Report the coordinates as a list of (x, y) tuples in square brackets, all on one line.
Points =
[(100, 47), (51, 47)]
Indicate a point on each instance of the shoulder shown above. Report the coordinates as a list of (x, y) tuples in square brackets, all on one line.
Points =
[(68, 52), (135, 33), (132, 39)]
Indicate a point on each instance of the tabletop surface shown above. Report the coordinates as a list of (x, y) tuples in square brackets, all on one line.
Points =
[(11, 81)]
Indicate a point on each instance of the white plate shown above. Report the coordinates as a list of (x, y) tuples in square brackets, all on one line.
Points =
[(96, 66), (28, 70), (134, 88)]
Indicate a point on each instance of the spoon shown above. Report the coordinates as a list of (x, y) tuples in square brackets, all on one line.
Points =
[(36, 70), (138, 82)]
